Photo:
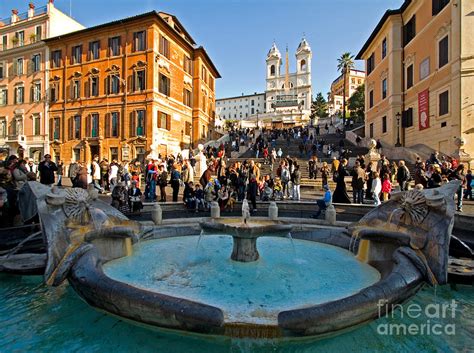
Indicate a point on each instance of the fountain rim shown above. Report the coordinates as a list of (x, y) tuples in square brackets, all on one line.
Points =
[(104, 293)]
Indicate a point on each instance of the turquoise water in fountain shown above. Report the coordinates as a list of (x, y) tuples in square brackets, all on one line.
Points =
[(36, 318), (285, 277)]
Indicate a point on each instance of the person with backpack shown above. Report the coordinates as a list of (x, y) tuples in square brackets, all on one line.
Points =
[(162, 182), (296, 183), (403, 176), (285, 179)]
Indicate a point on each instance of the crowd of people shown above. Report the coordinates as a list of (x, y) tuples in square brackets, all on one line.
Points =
[(130, 183)]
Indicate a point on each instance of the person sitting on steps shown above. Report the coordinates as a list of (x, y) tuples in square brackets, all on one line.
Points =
[(324, 202)]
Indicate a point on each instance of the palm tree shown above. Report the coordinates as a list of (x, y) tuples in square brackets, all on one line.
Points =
[(344, 64)]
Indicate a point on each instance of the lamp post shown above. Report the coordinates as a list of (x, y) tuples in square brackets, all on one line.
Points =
[(398, 116), (257, 121)]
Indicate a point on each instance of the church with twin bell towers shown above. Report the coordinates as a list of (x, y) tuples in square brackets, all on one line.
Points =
[(288, 95)]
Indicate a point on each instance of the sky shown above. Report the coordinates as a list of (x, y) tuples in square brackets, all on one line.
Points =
[(237, 34)]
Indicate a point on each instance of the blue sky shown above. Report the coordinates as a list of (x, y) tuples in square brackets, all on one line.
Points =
[(238, 33)]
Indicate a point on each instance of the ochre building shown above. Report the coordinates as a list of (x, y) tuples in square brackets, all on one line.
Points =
[(420, 65), (129, 89)]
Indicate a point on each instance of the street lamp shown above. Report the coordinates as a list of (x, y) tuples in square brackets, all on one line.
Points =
[(398, 116), (257, 120)]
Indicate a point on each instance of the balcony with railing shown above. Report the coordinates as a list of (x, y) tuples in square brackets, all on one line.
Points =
[(23, 16), (286, 101)]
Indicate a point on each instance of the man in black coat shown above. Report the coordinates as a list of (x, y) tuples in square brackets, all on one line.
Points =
[(46, 169)]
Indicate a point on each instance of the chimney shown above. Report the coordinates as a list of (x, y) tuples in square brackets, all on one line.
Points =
[(50, 5), (14, 15), (31, 10)]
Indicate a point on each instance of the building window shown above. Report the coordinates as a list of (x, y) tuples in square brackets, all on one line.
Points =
[(36, 62), (19, 95), (76, 89), (53, 92), (272, 70), (187, 128), (187, 97), (36, 125), (203, 132), (370, 64), (204, 103), (5, 42), (409, 30), (384, 48), (164, 121), (2, 71), (114, 124), (19, 66), (38, 33), (444, 103), (410, 76), (56, 127), (56, 58), (36, 92), (3, 96), (114, 153), (140, 80), (164, 47), (76, 56), (204, 73), (384, 88), (94, 86), (140, 123), (303, 65), (93, 125), (139, 41), (443, 54), (371, 130), (114, 46), (187, 65), (164, 85), (438, 5), (252, 111), (77, 127), (19, 38), (3, 127), (77, 154), (384, 125), (94, 50), (114, 84), (371, 98), (407, 118)]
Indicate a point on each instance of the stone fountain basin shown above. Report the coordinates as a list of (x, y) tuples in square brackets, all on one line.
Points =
[(399, 281), (251, 229)]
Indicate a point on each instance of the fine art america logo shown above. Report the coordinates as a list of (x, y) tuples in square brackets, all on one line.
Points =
[(430, 319)]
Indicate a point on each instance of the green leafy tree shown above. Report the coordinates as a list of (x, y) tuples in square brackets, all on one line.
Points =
[(319, 107), (344, 64), (356, 103)]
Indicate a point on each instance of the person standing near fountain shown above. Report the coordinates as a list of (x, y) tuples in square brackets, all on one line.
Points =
[(252, 191), (340, 194)]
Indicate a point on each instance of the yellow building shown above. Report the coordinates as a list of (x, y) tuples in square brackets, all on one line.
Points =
[(420, 68), (354, 79)]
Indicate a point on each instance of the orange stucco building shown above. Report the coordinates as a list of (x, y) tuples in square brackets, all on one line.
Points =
[(129, 89), (420, 65)]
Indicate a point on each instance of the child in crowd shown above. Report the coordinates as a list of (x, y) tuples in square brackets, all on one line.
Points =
[(376, 188), (386, 186)]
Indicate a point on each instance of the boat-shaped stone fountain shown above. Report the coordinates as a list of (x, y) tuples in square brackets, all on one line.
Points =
[(245, 277)]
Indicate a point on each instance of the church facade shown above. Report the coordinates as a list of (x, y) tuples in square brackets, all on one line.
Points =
[(288, 95)]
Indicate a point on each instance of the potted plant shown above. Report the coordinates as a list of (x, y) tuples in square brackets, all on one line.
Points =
[(32, 37), (15, 41)]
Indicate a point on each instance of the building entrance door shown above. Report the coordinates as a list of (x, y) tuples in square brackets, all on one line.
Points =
[(95, 151)]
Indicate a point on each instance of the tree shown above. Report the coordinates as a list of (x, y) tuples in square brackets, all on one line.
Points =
[(319, 107), (356, 103), (344, 64)]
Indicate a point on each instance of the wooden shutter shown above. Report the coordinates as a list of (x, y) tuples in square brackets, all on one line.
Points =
[(168, 122), (88, 125), (108, 126), (119, 116), (70, 127), (106, 85), (51, 129), (133, 129)]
